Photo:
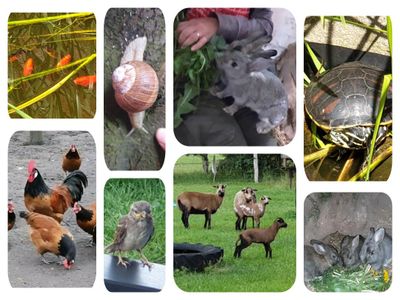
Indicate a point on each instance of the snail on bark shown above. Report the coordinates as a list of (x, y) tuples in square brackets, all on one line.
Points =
[(135, 83)]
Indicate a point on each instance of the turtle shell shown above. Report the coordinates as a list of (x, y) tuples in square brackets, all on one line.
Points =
[(345, 103)]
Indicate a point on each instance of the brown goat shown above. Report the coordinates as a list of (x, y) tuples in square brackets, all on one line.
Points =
[(262, 236), (200, 203)]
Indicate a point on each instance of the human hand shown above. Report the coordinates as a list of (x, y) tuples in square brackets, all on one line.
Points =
[(196, 32), (160, 137)]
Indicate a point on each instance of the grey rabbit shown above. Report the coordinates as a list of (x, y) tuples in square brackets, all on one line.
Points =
[(248, 77), (350, 250), (334, 239), (318, 258), (377, 249)]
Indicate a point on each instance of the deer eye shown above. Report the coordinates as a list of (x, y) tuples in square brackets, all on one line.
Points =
[(234, 64)]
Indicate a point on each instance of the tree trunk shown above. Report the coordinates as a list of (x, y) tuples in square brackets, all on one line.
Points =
[(204, 159)]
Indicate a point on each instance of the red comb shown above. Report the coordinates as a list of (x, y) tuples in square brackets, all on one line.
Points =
[(31, 166)]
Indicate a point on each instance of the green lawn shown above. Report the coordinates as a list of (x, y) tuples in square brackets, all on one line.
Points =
[(119, 194), (252, 272)]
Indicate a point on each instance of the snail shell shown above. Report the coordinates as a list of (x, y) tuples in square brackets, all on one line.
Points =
[(135, 85)]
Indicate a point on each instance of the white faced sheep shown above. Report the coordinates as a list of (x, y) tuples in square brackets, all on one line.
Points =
[(243, 197), (200, 203), (256, 210), (257, 235)]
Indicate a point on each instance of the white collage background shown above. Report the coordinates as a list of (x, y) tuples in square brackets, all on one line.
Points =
[(300, 10)]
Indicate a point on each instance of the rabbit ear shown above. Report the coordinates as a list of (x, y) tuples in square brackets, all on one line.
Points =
[(264, 54), (252, 42), (320, 248), (379, 235), (256, 45), (355, 242)]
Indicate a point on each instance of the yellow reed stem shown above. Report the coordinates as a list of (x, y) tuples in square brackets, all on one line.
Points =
[(47, 19)]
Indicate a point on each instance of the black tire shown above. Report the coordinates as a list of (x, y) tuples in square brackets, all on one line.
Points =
[(195, 257)]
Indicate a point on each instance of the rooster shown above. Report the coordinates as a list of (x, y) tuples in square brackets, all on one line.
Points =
[(86, 219), (11, 214), (48, 235), (71, 160), (53, 202)]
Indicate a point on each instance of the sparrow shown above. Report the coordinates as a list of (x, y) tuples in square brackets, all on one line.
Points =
[(133, 232)]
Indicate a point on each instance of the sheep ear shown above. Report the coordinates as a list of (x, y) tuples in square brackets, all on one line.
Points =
[(255, 190), (243, 190)]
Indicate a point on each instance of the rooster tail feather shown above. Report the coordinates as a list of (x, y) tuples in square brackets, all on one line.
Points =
[(76, 181)]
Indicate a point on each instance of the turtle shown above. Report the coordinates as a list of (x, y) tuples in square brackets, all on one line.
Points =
[(344, 102)]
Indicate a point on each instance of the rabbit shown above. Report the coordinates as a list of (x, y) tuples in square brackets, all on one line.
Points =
[(334, 239), (377, 249), (350, 248), (318, 258), (249, 79)]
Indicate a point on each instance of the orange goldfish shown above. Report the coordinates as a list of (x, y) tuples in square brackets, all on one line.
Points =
[(28, 67), (85, 81), (64, 61), (15, 56)]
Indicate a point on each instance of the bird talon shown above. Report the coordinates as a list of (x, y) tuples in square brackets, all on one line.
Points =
[(46, 261), (146, 263), (122, 262), (91, 244)]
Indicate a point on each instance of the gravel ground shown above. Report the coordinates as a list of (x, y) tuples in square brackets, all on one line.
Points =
[(25, 268), (347, 35)]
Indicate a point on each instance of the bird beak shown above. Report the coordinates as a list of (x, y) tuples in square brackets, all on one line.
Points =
[(137, 216), (68, 265)]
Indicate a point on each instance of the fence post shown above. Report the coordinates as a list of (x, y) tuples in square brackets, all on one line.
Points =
[(255, 166)]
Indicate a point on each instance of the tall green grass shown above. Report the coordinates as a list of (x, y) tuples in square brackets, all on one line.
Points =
[(119, 194), (252, 272)]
